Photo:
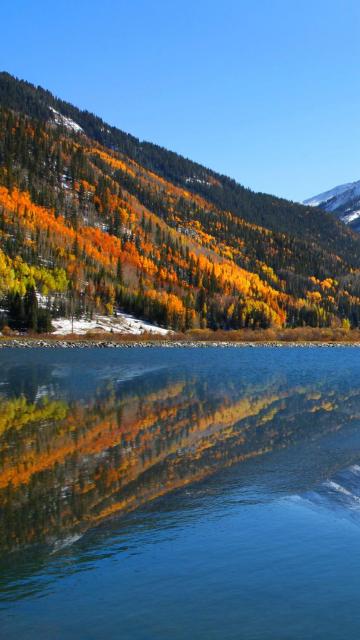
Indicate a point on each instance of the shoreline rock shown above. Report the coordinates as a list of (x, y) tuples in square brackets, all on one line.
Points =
[(28, 343)]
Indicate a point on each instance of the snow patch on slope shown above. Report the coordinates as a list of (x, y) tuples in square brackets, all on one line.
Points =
[(193, 179), (63, 121), (121, 323), (350, 217)]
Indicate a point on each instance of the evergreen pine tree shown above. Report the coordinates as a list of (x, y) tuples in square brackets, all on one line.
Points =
[(31, 309)]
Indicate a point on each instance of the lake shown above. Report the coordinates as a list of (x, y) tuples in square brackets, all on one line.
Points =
[(180, 493)]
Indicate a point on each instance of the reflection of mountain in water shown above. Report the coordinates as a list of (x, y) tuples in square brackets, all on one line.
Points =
[(340, 493), (67, 464)]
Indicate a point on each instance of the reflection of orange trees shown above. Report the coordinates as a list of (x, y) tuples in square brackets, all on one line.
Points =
[(120, 452), (70, 431), (172, 418)]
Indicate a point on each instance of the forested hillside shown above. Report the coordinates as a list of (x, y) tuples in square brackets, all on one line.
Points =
[(92, 220)]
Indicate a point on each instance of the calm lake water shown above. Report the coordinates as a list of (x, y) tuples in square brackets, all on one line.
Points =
[(180, 494)]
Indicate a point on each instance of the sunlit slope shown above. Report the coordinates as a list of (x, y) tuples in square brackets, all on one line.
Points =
[(93, 229)]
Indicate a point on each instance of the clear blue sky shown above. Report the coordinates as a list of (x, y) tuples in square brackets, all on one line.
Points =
[(266, 91)]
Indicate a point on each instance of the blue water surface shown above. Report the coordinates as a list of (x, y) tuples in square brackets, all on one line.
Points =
[(180, 493)]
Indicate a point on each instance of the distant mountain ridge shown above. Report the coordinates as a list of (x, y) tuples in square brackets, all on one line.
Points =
[(343, 201)]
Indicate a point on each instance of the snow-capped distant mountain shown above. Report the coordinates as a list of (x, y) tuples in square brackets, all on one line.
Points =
[(343, 201)]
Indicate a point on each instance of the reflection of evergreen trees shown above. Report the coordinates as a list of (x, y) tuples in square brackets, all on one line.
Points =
[(26, 381), (64, 466)]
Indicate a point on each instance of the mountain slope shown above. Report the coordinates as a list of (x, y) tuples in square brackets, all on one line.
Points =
[(266, 210), (92, 220), (343, 201)]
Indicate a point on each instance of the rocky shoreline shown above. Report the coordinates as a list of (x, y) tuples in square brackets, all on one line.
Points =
[(21, 343)]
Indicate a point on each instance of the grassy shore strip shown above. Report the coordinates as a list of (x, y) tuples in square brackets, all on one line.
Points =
[(299, 337)]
